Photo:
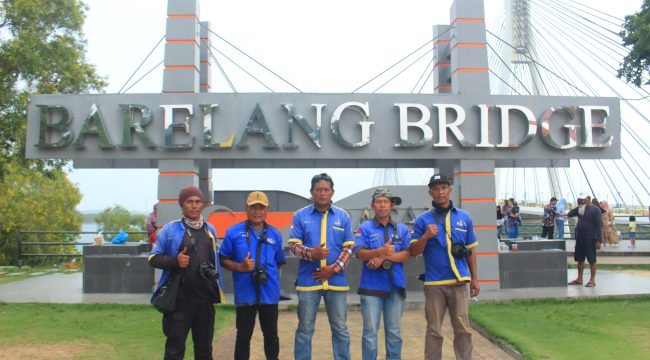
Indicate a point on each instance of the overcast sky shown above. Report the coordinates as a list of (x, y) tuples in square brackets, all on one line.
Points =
[(332, 46)]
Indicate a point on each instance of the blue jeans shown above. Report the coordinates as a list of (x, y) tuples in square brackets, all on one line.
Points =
[(513, 231), (559, 224), (371, 309), (336, 307)]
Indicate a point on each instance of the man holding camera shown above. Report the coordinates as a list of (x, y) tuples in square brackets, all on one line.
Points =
[(383, 245), (445, 235), (321, 237), (187, 248), (252, 250)]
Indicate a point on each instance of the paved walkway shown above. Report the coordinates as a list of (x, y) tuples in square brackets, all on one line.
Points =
[(413, 330)]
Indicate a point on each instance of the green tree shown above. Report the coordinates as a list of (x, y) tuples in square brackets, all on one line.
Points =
[(118, 218), (42, 51), (636, 36), (31, 200)]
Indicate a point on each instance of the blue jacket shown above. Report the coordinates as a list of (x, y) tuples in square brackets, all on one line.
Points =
[(235, 247), (454, 227), (168, 242), (311, 228)]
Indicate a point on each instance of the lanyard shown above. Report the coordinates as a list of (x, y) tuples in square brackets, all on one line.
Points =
[(260, 240)]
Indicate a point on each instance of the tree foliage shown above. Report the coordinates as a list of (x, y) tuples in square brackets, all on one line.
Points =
[(636, 36), (31, 200), (42, 51), (118, 218)]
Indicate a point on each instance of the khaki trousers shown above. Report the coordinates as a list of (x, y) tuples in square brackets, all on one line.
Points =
[(438, 299)]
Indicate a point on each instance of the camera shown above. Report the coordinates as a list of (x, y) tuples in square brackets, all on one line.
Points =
[(208, 272), (387, 264), (260, 276), (459, 251)]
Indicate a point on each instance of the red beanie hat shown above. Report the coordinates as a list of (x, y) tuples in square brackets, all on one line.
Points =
[(187, 192)]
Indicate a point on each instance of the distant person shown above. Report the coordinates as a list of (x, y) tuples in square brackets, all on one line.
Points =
[(548, 220), (561, 218), (445, 236), (609, 227), (499, 221), (589, 230), (253, 251), (505, 218), (151, 224), (512, 216), (186, 247), (321, 237), (383, 246), (631, 228)]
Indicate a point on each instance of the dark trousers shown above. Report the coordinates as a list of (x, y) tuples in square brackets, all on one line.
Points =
[(246, 324), (176, 325), (547, 231)]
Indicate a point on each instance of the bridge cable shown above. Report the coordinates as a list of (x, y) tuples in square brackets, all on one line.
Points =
[(591, 189), (139, 66), (242, 69), (223, 72), (426, 70), (249, 57), (628, 183), (402, 71), (145, 75), (404, 58)]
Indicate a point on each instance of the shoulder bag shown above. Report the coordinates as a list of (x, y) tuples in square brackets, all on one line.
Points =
[(165, 300)]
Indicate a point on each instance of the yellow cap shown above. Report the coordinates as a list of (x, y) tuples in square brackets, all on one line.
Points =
[(257, 197)]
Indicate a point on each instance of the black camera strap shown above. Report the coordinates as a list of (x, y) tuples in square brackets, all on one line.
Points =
[(386, 239), (258, 255)]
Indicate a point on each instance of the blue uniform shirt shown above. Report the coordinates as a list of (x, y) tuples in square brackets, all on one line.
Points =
[(168, 242), (235, 247), (454, 227), (370, 235), (311, 228)]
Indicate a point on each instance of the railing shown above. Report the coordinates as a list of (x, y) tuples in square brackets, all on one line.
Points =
[(529, 229), (22, 244)]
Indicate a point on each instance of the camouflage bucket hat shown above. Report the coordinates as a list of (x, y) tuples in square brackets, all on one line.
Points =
[(385, 192)]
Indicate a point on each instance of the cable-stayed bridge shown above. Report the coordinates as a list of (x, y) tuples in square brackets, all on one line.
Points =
[(553, 47)]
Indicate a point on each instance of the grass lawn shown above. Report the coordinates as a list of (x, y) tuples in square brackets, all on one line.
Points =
[(570, 329), (89, 331)]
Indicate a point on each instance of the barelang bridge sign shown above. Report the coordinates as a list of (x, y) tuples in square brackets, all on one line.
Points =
[(293, 126)]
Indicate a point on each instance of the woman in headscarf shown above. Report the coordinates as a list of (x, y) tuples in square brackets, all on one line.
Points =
[(559, 220), (609, 228)]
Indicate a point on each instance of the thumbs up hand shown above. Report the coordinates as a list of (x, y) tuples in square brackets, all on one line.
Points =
[(182, 259), (320, 252), (248, 264), (388, 249)]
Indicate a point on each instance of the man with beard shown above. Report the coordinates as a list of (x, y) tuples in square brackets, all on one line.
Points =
[(589, 230)]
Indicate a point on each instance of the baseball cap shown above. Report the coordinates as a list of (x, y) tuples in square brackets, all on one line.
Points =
[(385, 192), (257, 197), (583, 195), (439, 178)]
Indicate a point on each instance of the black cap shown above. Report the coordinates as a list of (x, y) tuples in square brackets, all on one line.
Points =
[(439, 178)]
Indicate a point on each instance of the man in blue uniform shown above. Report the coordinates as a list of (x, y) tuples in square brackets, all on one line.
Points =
[(383, 245), (187, 248), (321, 237), (252, 250), (445, 235)]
